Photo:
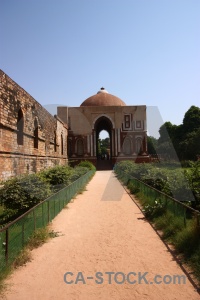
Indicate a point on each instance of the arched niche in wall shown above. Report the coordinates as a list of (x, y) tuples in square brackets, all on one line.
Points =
[(139, 146), (35, 133), (20, 127), (80, 147), (127, 146), (62, 150), (69, 147), (55, 142)]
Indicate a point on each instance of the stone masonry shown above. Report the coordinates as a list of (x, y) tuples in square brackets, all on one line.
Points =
[(31, 139)]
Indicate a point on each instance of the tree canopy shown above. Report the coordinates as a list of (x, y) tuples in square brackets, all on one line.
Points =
[(182, 140)]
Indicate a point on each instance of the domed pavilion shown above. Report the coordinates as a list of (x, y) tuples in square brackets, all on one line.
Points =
[(125, 125)]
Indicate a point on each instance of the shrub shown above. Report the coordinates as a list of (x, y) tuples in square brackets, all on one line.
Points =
[(195, 261), (193, 176), (187, 163), (58, 177), (21, 193), (188, 240), (173, 227), (124, 166), (133, 189), (8, 215), (163, 221), (155, 210), (87, 164), (180, 184), (183, 186), (77, 173)]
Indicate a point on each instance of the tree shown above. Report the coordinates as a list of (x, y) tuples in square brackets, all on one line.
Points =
[(152, 144), (103, 146), (190, 139), (191, 120), (167, 132), (184, 138), (190, 146), (167, 140)]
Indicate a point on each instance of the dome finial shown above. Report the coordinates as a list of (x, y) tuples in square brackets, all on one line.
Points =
[(102, 90)]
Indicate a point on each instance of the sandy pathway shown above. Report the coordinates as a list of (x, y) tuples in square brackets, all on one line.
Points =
[(101, 231)]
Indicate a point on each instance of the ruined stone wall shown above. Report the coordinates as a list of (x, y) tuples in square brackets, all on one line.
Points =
[(30, 137)]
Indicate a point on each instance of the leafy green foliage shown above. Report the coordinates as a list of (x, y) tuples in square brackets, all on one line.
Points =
[(191, 120), (57, 177), (19, 194), (103, 146), (155, 210), (151, 144), (193, 176), (8, 215), (78, 171), (133, 189), (182, 140), (175, 182), (87, 164), (182, 233), (187, 240)]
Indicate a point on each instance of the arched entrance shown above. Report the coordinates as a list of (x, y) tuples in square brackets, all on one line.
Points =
[(104, 160)]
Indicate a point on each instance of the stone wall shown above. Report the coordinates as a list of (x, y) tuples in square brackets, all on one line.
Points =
[(31, 139)]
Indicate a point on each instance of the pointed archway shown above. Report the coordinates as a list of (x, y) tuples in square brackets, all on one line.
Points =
[(104, 123)]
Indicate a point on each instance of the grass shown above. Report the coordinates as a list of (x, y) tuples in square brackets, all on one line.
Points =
[(39, 237), (169, 224), (185, 239)]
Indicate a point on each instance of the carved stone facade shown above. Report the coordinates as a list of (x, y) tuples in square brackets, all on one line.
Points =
[(126, 126), (31, 139)]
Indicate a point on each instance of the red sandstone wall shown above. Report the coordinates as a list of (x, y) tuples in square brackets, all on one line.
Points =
[(18, 159)]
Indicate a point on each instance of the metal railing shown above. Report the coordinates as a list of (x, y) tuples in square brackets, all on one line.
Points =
[(16, 234), (178, 208)]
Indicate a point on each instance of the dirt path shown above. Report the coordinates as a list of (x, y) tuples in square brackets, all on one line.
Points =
[(101, 231)]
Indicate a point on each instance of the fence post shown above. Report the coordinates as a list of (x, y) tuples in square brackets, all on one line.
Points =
[(60, 204), (174, 208), (48, 212), (34, 219), (7, 246), (43, 215), (185, 216), (22, 233), (197, 217)]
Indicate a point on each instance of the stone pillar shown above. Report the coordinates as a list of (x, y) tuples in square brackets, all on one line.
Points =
[(119, 142), (113, 145), (91, 140), (95, 143), (88, 143), (116, 152)]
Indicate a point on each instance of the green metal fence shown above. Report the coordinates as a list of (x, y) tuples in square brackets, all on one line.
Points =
[(179, 209), (15, 235)]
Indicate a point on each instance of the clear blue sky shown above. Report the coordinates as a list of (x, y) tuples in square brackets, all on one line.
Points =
[(143, 51)]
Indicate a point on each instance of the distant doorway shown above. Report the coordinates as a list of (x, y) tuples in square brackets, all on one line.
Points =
[(103, 128), (103, 151)]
